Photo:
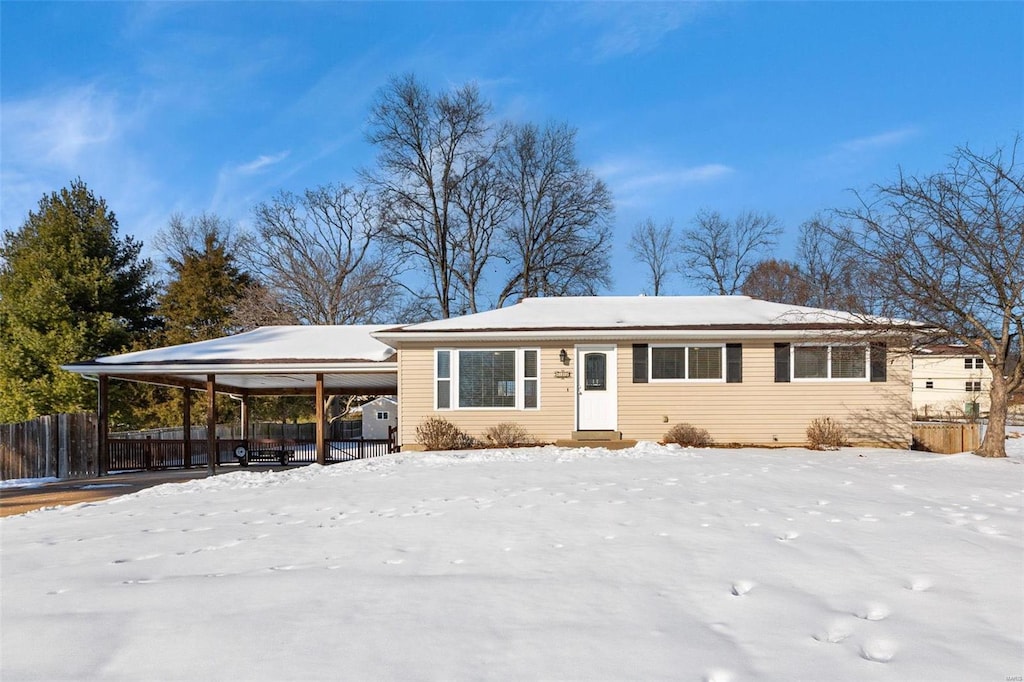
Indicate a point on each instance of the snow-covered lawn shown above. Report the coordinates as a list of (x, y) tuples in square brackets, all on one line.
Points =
[(650, 563)]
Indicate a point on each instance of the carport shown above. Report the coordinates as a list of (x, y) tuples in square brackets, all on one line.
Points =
[(268, 361)]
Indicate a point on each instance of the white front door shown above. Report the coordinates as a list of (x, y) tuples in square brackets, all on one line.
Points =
[(597, 401)]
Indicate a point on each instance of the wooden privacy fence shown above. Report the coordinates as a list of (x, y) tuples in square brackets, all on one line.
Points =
[(57, 445), (946, 438)]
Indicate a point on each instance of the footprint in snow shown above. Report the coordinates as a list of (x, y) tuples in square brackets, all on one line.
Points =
[(787, 536), (833, 634), (742, 587), (873, 611), (878, 650), (394, 562), (718, 675), (919, 583)]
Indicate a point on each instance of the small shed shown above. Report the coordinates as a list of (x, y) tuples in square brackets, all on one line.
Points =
[(378, 416)]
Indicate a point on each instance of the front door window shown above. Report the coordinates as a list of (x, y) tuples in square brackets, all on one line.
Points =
[(595, 367)]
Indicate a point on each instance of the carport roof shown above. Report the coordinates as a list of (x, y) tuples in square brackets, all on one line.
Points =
[(268, 360)]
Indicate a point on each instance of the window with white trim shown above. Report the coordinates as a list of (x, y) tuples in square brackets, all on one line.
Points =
[(383, 416), (830, 362), (491, 378), (687, 363), (972, 386), (974, 363)]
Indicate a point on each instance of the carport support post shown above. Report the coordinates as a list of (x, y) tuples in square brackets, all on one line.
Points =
[(103, 424), (245, 419), (321, 445), (186, 434), (211, 423)]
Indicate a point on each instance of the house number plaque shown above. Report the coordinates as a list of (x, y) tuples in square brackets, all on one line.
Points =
[(563, 374)]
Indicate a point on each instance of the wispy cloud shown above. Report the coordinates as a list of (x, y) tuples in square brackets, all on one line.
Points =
[(83, 131), (59, 129), (261, 162), (634, 182), (623, 28), (889, 138)]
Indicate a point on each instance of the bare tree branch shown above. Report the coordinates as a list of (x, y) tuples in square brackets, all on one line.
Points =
[(948, 250), (653, 246), (322, 255), (719, 254)]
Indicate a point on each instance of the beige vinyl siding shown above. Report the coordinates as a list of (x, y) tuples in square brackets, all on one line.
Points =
[(760, 411), (757, 411), (554, 419)]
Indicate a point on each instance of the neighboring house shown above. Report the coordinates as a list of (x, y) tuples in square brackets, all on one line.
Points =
[(949, 381), (378, 416), (748, 371)]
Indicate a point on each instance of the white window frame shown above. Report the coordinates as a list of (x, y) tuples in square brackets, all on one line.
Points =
[(520, 379), (686, 363), (386, 415), (828, 363)]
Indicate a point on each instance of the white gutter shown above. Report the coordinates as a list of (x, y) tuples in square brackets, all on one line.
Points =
[(99, 368), (626, 334)]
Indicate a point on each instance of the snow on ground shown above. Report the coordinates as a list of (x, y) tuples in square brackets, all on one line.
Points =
[(648, 563), (27, 482)]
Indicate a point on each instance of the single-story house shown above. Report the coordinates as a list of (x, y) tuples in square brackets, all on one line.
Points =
[(379, 415), (748, 371), (949, 380), (573, 368)]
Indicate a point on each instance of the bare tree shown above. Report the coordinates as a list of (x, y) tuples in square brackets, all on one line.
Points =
[(653, 246), (320, 254), (559, 236), (948, 250), (483, 207), (836, 278), (259, 306), (426, 145), (718, 254), (779, 281), (185, 236)]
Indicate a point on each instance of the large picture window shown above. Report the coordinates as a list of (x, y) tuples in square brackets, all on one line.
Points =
[(487, 379), (849, 362), (686, 363)]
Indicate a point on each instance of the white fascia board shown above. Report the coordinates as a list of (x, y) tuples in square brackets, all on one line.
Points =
[(100, 368), (622, 334)]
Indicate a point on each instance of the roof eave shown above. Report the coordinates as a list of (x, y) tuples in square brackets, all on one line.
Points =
[(303, 367), (703, 332)]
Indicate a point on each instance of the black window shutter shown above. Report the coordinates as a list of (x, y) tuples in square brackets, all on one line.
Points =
[(733, 363), (878, 361), (781, 362), (639, 363)]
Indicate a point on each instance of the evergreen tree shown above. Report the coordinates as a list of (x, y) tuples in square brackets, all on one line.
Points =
[(204, 286), (206, 283), (70, 290)]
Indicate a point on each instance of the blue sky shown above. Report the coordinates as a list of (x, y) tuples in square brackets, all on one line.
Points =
[(779, 107)]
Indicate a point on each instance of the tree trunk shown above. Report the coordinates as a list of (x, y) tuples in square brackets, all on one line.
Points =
[(994, 444)]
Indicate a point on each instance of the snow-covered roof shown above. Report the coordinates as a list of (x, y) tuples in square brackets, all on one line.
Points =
[(948, 349), (285, 343), (583, 314), (266, 359)]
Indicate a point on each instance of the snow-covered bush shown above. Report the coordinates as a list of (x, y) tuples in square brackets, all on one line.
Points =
[(688, 435), (435, 433), (825, 433), (508, 435)]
